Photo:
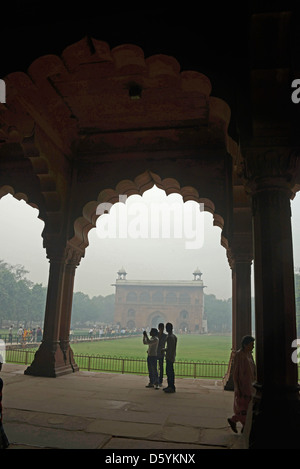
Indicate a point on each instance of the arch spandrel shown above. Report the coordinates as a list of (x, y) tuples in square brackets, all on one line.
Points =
[(75, 95)]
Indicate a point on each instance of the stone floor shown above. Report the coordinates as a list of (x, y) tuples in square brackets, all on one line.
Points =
[(89, 410)]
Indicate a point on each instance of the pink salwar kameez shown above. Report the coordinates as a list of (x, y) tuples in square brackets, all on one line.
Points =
[(244, 374)]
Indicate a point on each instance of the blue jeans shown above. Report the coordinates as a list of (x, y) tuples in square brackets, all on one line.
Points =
[(170, 374), (160, 361), (152, 368)]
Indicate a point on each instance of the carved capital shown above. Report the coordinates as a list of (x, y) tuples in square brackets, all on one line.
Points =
[(73, 256), (267, 169), (55, 248), (60, 252), (235, 256)]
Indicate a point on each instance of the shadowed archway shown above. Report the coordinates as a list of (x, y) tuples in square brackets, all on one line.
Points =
[(101, 115)]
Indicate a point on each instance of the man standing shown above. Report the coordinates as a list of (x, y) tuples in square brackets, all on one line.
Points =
[(162, 337), (170, 358), (152, 357)]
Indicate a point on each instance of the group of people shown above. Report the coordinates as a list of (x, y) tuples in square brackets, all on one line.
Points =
[(161, 347), (26, 335)]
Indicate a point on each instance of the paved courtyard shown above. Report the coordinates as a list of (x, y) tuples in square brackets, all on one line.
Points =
[(89, 410)]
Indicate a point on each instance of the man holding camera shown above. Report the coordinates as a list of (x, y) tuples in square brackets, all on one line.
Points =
[(152, 343)]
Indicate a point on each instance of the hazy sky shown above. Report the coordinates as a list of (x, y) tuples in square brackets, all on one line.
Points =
[(147, 251)]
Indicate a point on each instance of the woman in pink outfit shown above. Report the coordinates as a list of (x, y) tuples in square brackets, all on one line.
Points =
[(244, 375)]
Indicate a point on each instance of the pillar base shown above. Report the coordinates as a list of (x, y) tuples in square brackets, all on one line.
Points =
[(275, 422), (50, 361)]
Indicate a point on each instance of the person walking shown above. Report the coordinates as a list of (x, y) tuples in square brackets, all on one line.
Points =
[(162, 337), (170, 350), (244, 375), (152, 357)]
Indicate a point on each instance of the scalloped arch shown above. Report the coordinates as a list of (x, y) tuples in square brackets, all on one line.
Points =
[(7, 189), (92, 57), (138, 186), (49, 200)]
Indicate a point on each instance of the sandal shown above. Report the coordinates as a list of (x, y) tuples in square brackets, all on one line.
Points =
[(232, 425)]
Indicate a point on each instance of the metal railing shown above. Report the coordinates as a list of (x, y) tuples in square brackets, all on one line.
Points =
[(113, 364)]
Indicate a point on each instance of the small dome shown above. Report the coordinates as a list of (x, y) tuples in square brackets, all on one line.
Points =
[(197, 274), (122, 274)]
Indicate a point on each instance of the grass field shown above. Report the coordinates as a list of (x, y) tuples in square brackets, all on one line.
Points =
[(208, 347)]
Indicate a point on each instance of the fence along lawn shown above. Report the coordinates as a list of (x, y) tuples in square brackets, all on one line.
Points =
[(189, 347), (197, 356)]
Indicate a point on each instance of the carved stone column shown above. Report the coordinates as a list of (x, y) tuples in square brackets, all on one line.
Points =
[(73, 258), (51, 358), (241, 300), (276, 412)]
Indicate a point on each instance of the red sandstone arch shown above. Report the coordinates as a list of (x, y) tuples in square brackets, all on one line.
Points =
[(44, 197), (138, 186), (56, 97), (6, 189), (53, 110)]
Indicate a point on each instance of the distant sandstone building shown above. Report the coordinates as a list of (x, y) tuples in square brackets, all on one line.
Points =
[(144, 303)]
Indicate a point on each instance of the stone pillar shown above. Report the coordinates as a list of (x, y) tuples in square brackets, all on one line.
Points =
[(276, 412), (241, 300), (241, 306), (73, 258), (51, 358)]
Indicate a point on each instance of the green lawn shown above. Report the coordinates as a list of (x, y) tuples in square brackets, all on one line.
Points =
[(189, 347)]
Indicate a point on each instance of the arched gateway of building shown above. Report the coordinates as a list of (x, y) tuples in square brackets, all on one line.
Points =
[(144, 304), (81, 129)]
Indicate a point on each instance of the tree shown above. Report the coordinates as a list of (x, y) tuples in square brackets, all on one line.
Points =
[(37, 302), (7, 291), (218, 314), (20, 299), (97, 309)]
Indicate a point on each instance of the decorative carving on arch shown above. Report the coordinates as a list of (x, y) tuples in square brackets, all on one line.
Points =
[(42, 195), (58, 98), (107, 197), (7, 189)]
